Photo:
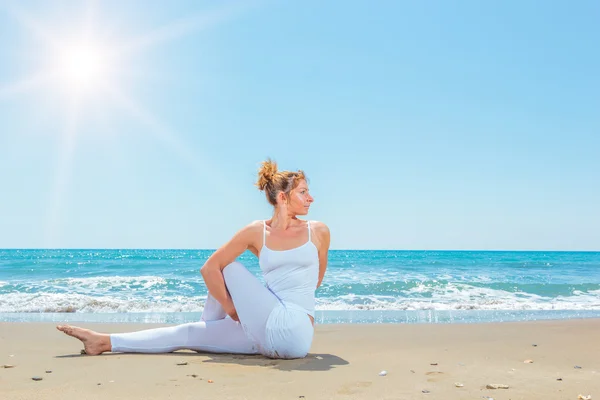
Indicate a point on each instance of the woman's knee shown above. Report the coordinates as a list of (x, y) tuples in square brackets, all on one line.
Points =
[(233, 269)]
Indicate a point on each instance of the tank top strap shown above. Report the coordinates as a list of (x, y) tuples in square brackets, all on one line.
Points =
[(308, 230)]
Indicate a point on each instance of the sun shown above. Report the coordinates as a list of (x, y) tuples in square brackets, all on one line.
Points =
[(82, 68), (83, 65)]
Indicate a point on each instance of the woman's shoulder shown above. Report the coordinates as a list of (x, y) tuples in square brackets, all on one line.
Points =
[(319, 226), (251, 228), (255, 225)]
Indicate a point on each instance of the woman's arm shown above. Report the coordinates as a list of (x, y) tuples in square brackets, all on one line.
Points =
[(323, 234), (212, 270)]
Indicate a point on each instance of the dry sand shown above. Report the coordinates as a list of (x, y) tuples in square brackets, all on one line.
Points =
[(422, 362)]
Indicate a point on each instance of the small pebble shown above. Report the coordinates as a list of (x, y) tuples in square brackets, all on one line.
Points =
[(210, 381), (37, 378), (82, 352), (182, 363), (458, 384), (496, 386), (425, 391), (8, 366), (433, 364), (559, 379), (99, 384), (577, 367), (48, 372), (534, 345), (383, 373), (412, 370), (528, 361), (300, 397), (193, 375)]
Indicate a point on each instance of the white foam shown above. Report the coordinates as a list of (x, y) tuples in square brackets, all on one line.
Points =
[(54, 302), (125, 294), (459, 296), (112, 281)]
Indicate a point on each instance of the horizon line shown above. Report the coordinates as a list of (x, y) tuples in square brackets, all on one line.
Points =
[(340, 249)]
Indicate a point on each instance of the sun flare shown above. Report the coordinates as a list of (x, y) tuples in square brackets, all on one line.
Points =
[(88, 71), (83, 66)]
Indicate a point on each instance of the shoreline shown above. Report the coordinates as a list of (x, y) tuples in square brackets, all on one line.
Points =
[(321, 317), (421, 360)]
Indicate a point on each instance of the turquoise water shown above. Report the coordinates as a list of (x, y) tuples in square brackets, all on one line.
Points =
[(360, 286)]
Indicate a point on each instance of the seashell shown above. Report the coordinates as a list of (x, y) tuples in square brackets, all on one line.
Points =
[(383, 373), (458, 384)]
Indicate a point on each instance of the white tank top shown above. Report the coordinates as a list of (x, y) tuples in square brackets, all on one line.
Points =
[(292, 274)]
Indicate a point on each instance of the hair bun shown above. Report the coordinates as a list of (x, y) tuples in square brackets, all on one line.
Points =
[(266, 173)]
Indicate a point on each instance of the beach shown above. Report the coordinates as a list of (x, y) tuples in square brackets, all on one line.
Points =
[(345, 362)]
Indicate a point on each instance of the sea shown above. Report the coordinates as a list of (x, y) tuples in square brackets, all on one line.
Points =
[(360, 286)]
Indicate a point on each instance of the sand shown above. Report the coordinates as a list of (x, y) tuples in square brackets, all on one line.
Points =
[(423, 361)]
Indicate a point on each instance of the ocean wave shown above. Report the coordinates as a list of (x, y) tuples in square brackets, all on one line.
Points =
[(114, 282), (103, 285), (482, 299), (70, 303)]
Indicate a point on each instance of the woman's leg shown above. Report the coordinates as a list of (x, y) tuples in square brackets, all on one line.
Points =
[(252, 300), (213, 310), (222, 336), (253, 303)]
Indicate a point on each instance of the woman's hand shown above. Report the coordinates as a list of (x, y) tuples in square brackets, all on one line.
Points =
[(232, 312)]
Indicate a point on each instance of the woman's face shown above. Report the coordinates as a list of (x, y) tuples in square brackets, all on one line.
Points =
[(300, 199)]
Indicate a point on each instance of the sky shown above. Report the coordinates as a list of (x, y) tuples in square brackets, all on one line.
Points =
[(421, 125)]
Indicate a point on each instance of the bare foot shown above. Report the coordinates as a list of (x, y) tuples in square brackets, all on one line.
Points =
[(94, 343)]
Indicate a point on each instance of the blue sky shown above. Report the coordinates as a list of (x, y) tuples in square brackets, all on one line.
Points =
[(421, 125)]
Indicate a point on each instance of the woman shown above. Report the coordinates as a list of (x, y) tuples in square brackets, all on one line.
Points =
[(240, 314)]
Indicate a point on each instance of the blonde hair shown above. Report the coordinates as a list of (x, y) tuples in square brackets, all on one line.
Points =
[(272, 181)]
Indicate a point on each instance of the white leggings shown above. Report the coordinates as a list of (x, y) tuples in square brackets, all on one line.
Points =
[(267, 325)]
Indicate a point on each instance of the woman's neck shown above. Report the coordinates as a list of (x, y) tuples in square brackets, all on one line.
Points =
[(282, 219)]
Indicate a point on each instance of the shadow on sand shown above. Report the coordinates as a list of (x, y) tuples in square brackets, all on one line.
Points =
[(312, 362)]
